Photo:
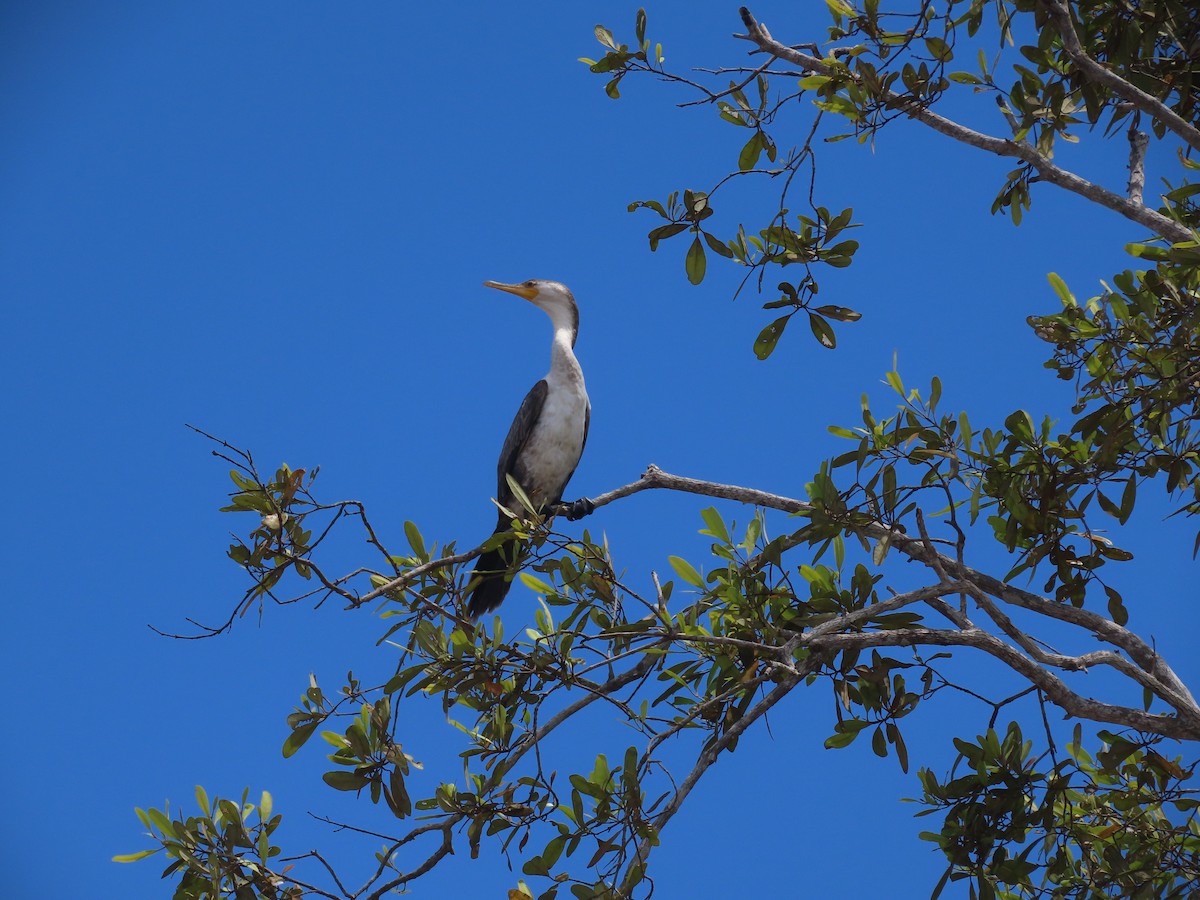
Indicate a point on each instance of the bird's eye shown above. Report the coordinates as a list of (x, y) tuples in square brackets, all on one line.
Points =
[(529, 283)]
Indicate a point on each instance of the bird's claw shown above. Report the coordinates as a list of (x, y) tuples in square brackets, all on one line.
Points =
[(578, 509)]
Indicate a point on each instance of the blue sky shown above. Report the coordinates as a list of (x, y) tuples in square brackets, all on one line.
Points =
[(271, 220)]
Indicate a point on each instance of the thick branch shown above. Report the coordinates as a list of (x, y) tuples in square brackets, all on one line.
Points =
[(1060, 14), (1079, 663), (1167, 683), (1048, 171), (1105, 629), (1073, 704)]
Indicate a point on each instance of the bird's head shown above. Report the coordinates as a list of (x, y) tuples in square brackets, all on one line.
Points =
[(551, 296)]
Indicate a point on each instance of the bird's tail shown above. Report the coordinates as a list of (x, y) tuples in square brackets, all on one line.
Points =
[(492, 578)]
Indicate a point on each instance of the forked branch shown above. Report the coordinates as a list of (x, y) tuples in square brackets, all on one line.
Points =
[(1014, 149)]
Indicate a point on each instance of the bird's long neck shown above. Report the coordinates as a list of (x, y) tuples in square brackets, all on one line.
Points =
[(563, 364)]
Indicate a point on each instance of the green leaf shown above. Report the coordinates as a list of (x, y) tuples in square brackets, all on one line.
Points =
[(1145, 251), (764, 344), (1128, 498), (748, 158), (640, 26), (134, 857), (695, 263), (684, 570), (898, 741), (604, 36), (939, 49), (202, 801), (1108, 506), (241, 481), (161, 822), (649, 204), (879, 553), (879, 742), (715, 524), (838, 741), (889, 488), (822, 331), (841, 106), (715, 244), (345, 781), (298, 738), (607, 64), (665, 231), (265, 805), (535, 866), (1116, 606), (414, 538), (536, 585), (839, 313), (1060, 287), (553, 851), (401, 802)]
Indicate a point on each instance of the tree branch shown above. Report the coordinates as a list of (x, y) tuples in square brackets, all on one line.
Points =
[(1062, 696), (1168, 685), (529, 742), (1060, 14), (707, 757), (1138, 141), (1048, 171), (406, 578), (654, 477)]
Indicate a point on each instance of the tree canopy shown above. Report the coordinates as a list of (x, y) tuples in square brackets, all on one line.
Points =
[(927, 538)]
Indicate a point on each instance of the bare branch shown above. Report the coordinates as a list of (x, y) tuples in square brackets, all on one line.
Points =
[(444, 849), (754, 73), (654, 477), (1073, 704), (1138, 141)]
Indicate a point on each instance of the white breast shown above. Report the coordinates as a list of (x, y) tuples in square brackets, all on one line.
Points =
[(556, 444)]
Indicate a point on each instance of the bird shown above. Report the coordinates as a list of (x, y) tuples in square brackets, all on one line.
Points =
[(544, 443)]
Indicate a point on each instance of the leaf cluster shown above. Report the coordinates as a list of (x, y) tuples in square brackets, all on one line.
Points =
[(222, 852), (1018, 823)]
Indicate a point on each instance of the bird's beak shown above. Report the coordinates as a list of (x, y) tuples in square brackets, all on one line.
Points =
[(527, 293)]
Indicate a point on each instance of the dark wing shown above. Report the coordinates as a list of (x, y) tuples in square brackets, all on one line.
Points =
[(518, 435)]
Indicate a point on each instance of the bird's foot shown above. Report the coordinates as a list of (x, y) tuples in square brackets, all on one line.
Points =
[(578, 509)]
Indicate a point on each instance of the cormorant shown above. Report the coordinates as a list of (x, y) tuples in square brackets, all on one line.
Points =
[(544, 443)]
